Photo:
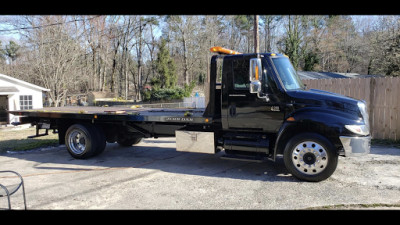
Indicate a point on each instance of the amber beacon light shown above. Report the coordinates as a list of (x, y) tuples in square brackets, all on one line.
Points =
[(222, 50)]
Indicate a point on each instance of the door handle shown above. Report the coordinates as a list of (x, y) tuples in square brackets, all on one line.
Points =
[(232, 110)]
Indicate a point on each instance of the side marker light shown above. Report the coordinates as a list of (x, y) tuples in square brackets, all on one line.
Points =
[(290, 119)]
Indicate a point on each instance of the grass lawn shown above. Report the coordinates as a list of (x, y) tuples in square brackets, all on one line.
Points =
[(15, 139)]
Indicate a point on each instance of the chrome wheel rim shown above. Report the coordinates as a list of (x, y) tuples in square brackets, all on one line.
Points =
[(310, 158), (77, 142)]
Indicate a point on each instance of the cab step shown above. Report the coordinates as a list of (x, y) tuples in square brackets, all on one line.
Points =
[(246, 142)]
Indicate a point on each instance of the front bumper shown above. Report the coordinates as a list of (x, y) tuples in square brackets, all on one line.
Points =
[(355, 146)]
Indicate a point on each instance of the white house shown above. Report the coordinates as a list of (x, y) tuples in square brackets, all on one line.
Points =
[(16, 94)]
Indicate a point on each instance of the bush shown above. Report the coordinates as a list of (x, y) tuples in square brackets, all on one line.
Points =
[(157, 94)]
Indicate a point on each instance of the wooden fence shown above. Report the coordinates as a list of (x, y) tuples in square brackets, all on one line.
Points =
[(381, 94)]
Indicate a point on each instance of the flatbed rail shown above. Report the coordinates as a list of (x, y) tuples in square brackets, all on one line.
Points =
[(178, 115)]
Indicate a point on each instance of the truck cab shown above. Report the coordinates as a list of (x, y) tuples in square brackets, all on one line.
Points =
[(265, 111)]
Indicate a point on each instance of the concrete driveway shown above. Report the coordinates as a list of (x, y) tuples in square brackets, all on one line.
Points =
[(152, 175)]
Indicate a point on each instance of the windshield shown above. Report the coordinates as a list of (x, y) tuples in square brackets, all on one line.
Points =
[(287, 73)]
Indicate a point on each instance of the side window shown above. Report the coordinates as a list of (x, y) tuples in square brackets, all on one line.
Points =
[(241, 74)]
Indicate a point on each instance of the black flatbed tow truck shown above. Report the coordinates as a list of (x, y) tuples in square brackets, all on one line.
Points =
[(256, 108)]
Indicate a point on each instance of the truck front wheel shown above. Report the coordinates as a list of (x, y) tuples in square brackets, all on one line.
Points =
[(310, 157)]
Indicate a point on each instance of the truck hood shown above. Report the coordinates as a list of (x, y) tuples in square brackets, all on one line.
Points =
[(324, 99)]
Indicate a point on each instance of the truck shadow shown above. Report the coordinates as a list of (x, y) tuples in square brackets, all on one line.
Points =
[(165, 159)]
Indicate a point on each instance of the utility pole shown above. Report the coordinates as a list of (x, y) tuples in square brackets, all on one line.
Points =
[(256, 38)]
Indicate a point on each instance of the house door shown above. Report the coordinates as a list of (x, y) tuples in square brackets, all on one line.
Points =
[(3, 109)]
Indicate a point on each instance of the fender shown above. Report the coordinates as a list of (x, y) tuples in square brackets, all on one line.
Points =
[(327, 122)]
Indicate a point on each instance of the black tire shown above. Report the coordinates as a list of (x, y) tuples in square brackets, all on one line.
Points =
[(84, 141), (100, 140), (126, 140), (310, 157)]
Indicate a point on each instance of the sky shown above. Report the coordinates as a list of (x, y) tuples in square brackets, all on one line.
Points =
[(7, 36)]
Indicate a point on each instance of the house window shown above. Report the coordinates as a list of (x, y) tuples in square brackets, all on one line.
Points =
[(25, 102)]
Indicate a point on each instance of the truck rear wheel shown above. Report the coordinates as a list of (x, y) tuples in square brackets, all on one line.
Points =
[(84, 141), (310, 157), (126, 140)]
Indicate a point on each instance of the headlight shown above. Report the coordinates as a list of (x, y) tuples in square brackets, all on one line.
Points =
[(358, 129)]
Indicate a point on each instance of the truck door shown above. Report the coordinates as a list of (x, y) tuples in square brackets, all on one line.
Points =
[(246, 111)]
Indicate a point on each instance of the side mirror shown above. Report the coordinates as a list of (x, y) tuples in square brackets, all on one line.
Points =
[(255, 69), (255, 76), (255, 86)]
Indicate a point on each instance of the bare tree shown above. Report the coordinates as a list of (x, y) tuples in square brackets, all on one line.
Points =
[(185, 29), (56, 54)]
